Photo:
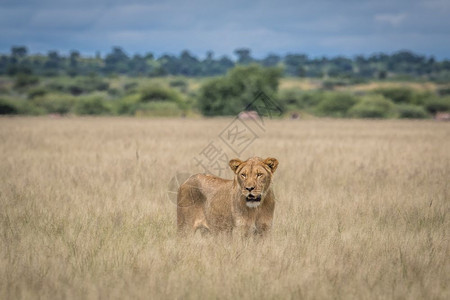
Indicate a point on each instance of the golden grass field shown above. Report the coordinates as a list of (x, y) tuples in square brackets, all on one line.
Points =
[(307, 84), (362, 212)]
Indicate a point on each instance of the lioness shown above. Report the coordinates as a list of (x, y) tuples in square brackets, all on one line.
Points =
[(214, 204)]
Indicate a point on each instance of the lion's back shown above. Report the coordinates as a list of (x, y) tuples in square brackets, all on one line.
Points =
[(204, 199)]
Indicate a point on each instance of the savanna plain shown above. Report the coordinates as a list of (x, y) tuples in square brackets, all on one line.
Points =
[(362, 211)]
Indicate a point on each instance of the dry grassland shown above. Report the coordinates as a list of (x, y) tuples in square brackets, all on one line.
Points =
[(300, 84), (311, 84), (362, 212)]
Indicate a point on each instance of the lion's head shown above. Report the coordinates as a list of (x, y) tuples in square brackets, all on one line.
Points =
[(254, 177)]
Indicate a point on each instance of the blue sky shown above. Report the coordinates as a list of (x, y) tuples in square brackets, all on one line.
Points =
[(316, 28)]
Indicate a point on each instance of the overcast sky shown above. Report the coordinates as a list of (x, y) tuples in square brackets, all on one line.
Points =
[(316, 27)]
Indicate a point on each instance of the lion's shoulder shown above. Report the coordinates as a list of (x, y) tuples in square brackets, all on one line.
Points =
[(207, 183)]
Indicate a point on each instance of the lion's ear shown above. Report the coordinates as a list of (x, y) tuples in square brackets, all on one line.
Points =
[(234, 164), (272, 163)]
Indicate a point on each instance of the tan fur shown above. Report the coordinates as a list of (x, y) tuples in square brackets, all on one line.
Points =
[(212, 204)]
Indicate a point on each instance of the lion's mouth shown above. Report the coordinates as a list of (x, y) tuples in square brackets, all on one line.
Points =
[(253, 198)]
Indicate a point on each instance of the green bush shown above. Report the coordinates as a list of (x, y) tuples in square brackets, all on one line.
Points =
[(92, 105), (78, 85), (127, 105), (296, 99), (87, 85), (442, 77), (397, 94), (130, 86), (114, 92), (444, 91), (230, 94), (94, 83), (25, 80), (331, 83), (434, 105), (372, 106), (141, 104), (159, 93), (9, 107), (218, 98), (410, 111), (56, 86), (290, 97), (310, 99), (158, 109), (55, 103), (37, 92), (253, 79), (336, 104), (75, 89), (179, 83)]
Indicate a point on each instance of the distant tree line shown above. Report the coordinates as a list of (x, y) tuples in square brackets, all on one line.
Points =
[(377, 66), (225, 95)]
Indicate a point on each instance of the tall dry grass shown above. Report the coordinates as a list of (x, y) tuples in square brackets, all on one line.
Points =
[(362, 212)]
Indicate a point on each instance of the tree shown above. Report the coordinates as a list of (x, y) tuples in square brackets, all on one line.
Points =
[(209, 55), (294, 63), (17, 62), (19, 51), (226, 63), (53, 64), (230, 94), (137, 66), (372, 106), (168, 64), (379, 65), (271, 60), (73, 63), (336, 104), (188, 64), (116, 61), (243, 55)]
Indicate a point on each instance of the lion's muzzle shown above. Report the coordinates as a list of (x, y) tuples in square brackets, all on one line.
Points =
[(252, 200)]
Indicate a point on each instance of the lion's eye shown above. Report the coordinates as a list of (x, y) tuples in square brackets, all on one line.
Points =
[(243, 175), (259, 174)]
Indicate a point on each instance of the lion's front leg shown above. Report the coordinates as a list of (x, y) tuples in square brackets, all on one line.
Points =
[(263, 229), (247, 230), (264, 219), (243, 228), (264, 223)]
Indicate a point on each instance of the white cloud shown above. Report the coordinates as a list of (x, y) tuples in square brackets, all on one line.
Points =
[(391, 19), (55, 19), (439, 6), (315, 27)]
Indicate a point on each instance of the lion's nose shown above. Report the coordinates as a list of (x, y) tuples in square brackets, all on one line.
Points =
[(250, 188)]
